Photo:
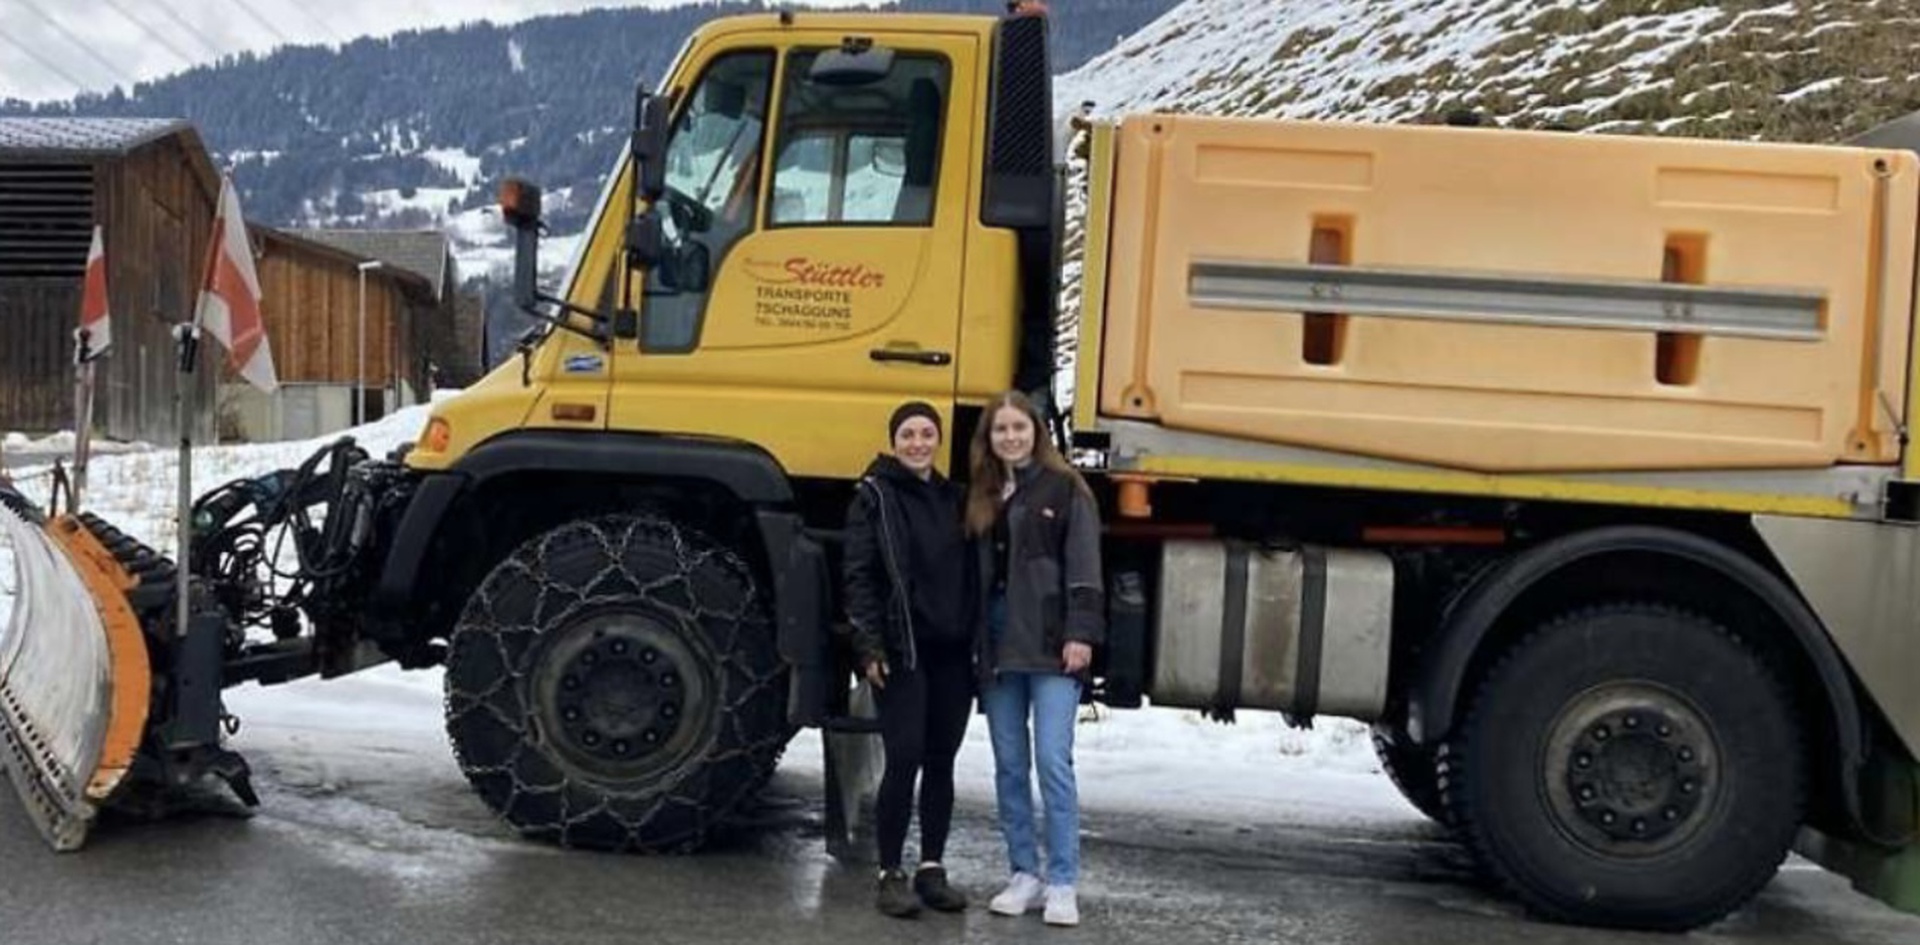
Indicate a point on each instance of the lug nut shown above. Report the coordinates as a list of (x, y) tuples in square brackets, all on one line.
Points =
[(591, 739), (1601, 734), (669, 679), (619, 648), (1639, 826), (570, 713), (570, 683), (1665, 730), (1608, 817), (1632, 722), (648, 655), (650, 736), (1686, 754), (1686, 787), (1587, 792), (1583, 760), (589, 658), (669, 711), (621, 747), (1670, 815)]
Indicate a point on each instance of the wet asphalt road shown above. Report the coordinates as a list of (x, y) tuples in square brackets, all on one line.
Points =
[(387, 845)]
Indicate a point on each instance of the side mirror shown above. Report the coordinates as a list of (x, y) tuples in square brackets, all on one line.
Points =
[(652, 115), (646, 240), (856, 62)]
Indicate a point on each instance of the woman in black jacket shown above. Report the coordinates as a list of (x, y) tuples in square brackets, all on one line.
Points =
[(908, 599)]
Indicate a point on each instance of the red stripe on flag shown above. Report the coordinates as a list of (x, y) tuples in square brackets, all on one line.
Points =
[(243, 310)]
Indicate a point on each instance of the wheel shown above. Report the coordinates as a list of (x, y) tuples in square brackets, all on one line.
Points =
[(1632, 766), (614, 684), (1412, 770)]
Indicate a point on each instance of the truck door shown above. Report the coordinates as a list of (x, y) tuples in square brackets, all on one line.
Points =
[(815, 250)]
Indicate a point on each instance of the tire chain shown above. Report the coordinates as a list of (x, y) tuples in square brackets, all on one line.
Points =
[(582, 813)]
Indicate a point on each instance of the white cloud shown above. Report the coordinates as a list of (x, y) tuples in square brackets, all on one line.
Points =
[(130, 53)]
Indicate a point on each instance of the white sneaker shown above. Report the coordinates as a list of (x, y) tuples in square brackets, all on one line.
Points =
[(1022, 893), (1063, 906)]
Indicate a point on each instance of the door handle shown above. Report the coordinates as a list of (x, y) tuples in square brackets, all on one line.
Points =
[(934, 358)]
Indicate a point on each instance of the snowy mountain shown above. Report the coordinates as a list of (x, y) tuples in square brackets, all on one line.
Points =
[(1817, 70)]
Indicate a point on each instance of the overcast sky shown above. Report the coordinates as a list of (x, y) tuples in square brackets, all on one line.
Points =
[(54, 48)]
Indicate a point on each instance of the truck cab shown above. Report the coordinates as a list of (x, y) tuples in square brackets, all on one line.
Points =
[(832, 236)]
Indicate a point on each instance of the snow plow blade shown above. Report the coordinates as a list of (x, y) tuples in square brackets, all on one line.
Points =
[(75, 682)]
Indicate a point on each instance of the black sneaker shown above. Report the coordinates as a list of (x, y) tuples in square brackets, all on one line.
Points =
[(896, 896), (931, 883)]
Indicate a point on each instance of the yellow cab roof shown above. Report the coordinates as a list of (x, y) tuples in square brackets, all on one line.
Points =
[(850, 23)]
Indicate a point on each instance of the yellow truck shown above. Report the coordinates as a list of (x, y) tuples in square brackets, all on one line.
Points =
[(1577, 466)]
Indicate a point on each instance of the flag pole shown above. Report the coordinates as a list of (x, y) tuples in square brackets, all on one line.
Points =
[(186, 336), (83, 357)]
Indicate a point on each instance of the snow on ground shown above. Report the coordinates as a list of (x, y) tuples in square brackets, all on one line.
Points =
[(1147, 761), (62, 442), (136, 491)]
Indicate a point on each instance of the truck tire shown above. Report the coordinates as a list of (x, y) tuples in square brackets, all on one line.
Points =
[(615, 684), (1413, 770), (1630, 765)]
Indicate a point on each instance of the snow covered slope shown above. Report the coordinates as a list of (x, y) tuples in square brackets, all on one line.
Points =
[(1807, 71)]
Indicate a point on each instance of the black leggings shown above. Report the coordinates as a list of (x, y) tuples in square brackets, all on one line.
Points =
[(923, 718)]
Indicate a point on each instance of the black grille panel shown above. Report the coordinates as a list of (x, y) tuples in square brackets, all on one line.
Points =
[(46, 219), (1018, 188)]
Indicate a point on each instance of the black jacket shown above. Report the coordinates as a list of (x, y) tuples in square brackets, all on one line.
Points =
[(908, 577), (1053, 581)]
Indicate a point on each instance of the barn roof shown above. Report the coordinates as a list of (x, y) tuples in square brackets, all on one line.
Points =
[(422, 252), (309, 241), (85, 136)]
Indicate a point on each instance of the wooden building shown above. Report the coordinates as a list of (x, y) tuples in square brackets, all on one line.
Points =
[(446, 334), (151, 186), (311, 300)]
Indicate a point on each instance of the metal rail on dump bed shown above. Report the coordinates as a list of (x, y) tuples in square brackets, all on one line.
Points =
[(1624, 305)]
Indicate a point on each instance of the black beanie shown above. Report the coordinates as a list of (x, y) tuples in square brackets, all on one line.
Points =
[(909, 410)]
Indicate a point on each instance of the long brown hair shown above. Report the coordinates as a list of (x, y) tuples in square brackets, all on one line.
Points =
[(988, 478)]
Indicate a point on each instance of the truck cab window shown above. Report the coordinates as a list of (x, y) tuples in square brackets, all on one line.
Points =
[(713, 184), (866, 154)]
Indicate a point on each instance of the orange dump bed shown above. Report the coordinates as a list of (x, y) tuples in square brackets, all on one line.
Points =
[(1510, 301)]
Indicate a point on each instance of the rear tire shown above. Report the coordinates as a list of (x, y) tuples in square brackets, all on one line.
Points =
[(615, 684), (1630, 765), (1414, 770)]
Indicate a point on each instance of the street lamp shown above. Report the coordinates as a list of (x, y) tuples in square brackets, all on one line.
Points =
[(360, 358)]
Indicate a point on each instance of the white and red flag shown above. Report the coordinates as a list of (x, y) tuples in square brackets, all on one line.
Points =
[(229, 308), (93, 302)]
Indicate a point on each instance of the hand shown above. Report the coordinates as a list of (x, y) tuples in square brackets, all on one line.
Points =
[(877, 673), (1076, 656)]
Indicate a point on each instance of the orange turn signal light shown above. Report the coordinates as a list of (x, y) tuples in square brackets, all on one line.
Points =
[(577, 413), (437, 435), (519, 201)]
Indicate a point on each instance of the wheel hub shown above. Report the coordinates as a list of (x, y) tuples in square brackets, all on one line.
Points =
[(1632, 769), (620, 694)]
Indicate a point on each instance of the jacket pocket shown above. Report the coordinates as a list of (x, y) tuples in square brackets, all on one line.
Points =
[(1040, 533)]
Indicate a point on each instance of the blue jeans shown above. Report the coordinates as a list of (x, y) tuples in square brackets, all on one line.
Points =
[(1051, 701)]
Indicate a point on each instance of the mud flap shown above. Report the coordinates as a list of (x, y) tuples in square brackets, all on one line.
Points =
[(1890, 869), (74, 677)]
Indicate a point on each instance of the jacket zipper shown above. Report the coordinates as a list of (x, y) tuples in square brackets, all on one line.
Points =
[(893, 568)]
